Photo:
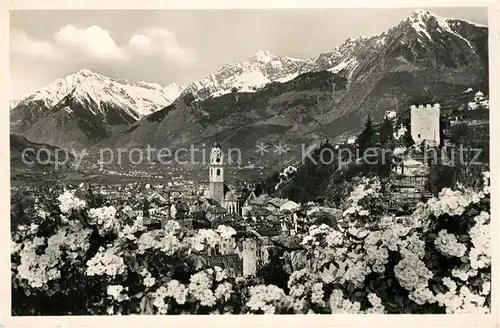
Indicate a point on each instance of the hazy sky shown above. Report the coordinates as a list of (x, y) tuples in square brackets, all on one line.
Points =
[(183, 45)]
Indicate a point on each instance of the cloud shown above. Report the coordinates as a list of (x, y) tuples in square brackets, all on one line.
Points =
[(24, 45), (159, 41), (93, 41), (96, 43)]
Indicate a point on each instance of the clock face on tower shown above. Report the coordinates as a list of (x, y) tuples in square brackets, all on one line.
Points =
[(216, 156)]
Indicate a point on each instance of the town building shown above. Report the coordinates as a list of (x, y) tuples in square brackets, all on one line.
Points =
[(351, 140), (480, 101), (425, 124), (217, 190)]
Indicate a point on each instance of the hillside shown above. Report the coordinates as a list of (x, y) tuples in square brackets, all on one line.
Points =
[(85, 107), (39, 160), (422, 56), (267, 99)]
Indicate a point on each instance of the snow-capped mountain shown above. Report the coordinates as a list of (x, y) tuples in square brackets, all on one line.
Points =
[(140, 98), (262, 68), (108, 103), (424, 55)]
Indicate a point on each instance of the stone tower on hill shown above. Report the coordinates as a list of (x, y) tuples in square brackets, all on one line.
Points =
[(425, 124)]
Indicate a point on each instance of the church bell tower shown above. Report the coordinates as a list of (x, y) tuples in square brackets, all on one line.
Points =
[(216, 174)]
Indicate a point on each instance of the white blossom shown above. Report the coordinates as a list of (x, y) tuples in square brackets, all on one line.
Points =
[(448, 245), (106, 262), (267, 299), (118, 292), (68, 202)]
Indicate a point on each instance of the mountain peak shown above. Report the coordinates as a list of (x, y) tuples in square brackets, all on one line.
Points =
[(424, 16), (262, 56), (84, 72), (421, 13)]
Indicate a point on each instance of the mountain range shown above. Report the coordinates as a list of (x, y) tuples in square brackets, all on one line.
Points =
[(267, 99), (85, 107)]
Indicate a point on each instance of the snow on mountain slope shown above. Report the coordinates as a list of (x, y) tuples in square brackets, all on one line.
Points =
[(328, 95), (140, 98), (423, 52), (262, 68), (420, 18), (86, 107)]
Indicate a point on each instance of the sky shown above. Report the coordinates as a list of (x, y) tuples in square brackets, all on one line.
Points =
[(181, 46)]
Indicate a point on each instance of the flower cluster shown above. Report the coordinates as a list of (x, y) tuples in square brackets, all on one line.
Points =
[(174, 291), (225, 232), (206, 288), (463, 272), (480, 253), (118, 292), (200, 287), (412, 245), (148, 279), (268, 299), (106, 262), (38, 268), (412, 273), (105, 219), (462, 300), (304, 284), (339, 305), (128, 231), (448, 245), (205, 239), (316, 235), (334, 238), (377, 257), (167, 242), (367, 189), (356, 270), (452, 202), (376, 303), (68, 202)]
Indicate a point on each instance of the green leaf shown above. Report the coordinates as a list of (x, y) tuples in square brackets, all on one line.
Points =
[(463, 238), (371, 286), (350, 287), (400, 301), (391, 306), (436, 288), (465, 266)]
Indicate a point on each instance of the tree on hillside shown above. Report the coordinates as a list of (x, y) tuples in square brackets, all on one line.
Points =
[(460, 134), (407, 138), (145, 208), (366, 139), (386, 133), (94, 200)]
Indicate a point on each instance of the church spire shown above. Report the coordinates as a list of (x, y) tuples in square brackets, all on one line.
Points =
[(216, 173), (216, 143)]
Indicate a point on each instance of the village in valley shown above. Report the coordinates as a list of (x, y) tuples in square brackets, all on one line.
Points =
[(268, 224), (155, 174)]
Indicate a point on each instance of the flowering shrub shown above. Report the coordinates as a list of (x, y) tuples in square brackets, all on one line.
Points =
[(362, 203), (79, 257)]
